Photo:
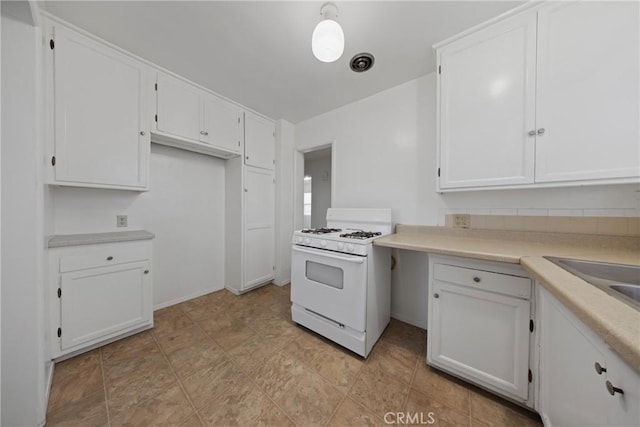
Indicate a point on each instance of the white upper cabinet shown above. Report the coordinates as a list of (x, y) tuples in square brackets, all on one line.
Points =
[(487, 93), (588, 74), (222, 124), (100, 122), (547, 96), (192, 119), (259, 140), (179, 106)]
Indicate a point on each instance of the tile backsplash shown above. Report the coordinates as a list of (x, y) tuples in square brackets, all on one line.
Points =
[(604, 225)]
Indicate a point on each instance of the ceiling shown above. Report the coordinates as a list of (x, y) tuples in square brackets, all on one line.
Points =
[(259, 53)]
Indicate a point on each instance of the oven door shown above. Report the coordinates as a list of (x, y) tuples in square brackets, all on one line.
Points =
[(330, 284)]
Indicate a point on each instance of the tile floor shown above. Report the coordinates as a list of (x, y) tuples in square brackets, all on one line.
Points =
[(223, 360)]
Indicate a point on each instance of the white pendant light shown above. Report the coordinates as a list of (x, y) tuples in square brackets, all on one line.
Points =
[(327, 41)]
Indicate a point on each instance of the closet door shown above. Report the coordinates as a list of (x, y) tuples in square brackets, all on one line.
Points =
[(259, 227)]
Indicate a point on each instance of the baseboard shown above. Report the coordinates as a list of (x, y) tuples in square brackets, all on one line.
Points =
[(48, 390), (183, 299), (408, 320), (282, 282)]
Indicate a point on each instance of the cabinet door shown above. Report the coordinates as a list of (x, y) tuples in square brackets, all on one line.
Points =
[(259, 141), (222, 124), (571, 392), (623, 409), (179, 108), (99, 302), (258, 226), (588, 91), (481, 335), (101, 128), (487, 101)]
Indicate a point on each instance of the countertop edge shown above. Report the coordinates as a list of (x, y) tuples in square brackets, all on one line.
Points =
[(65, 240)]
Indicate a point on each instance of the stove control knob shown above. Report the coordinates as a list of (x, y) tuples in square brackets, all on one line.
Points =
[(299, 239), (307, 240), (323, 243), (350, 247), (340, 246)]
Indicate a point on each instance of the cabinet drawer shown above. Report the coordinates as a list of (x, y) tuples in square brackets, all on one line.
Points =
[(103, 255), (494, 282)]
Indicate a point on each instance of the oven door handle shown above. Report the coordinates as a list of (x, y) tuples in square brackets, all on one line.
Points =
[(328, 254)]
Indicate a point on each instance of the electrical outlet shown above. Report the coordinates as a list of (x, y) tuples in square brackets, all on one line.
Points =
[(121, 220), (461, 220)]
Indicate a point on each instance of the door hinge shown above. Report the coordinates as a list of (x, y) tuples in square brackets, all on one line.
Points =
[(238, 119), (439, 69), (438, 171), (52, 44), (530, 376), (156, 118), (274, 267), (274, 133), (59, 292), (238, 143), (274, 181), (59, 332), (531, 325), (53, 161), (156, 86)]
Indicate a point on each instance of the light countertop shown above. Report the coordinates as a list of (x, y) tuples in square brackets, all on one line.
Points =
[(63, 240), (617, 323)]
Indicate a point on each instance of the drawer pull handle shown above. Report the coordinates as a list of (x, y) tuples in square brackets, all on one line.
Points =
[(109, 258), (146, 272), (599, 368), (612, 389), (436, 295), (476, 279)]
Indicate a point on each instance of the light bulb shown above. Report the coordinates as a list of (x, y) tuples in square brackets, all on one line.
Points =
[(327, 41)]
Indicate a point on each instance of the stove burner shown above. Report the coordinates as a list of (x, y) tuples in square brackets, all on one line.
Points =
[(322, 230), (361, 235)]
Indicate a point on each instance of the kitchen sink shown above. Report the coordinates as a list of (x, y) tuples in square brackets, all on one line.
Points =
[(619, 280)]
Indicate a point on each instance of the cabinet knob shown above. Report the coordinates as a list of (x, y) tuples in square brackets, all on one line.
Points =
[(109, 258), (599, 368), (246, 190), (541, 131), (146, 272), (476, 279), (612, 389), (532, 132), (247, 157), (436, 295), (142, 133), (206, 133)]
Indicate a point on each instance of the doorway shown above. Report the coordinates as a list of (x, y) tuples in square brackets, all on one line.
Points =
[(315, 181)]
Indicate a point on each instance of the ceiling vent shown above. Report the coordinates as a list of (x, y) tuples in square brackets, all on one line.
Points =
[(362, 62)]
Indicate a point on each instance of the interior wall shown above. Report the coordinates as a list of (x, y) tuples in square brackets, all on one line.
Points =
[(23, 353), (385, 157), (184, 208), (319, 169), (284, 200)]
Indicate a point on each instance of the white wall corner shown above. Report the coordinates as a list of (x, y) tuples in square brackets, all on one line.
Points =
[(285, 140)]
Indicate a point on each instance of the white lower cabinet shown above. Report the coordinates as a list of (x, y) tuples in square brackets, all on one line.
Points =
[(575, 367), (99, 292), (479, 324)]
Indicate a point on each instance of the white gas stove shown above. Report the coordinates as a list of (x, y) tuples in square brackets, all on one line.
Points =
[(340, 282)]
